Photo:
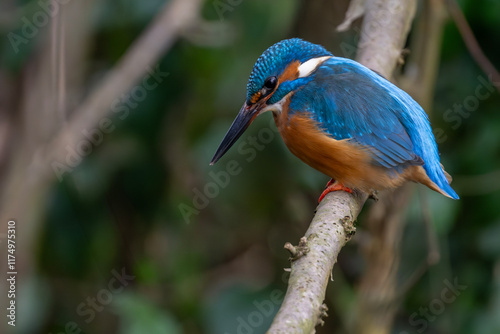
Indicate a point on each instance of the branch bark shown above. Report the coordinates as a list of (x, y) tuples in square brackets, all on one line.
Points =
[(385, 28), (330, 229), (384, 31)]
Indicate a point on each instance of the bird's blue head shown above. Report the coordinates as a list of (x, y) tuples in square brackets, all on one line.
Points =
[(281, 69)]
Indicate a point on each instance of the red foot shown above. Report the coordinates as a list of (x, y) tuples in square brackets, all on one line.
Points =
[(333, 185)]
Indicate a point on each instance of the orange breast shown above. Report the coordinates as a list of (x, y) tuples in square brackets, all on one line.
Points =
[(343, 161)]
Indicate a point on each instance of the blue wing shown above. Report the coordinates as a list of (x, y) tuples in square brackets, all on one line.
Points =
[(349, 104)]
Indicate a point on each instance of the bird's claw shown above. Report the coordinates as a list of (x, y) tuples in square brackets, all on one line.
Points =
[(333, 185)]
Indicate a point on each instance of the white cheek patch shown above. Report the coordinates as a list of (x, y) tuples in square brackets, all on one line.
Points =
[(309, 66)]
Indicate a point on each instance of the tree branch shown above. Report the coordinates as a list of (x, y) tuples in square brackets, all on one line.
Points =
[(471, 41), (330, 229), (146, 50), (384, 32)]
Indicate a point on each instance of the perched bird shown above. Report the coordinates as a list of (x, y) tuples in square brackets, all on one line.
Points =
[(342, 119)]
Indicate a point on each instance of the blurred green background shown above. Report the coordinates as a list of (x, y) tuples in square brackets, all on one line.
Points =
[(126, 243)]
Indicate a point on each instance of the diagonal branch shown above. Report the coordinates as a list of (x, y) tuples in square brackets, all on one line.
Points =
[(384, 32), (330, 229), (144, 53), (471, 41)]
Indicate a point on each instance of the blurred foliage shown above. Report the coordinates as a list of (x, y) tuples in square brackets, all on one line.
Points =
[(124, 207)]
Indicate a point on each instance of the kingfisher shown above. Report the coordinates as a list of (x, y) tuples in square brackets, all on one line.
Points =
[(341, 118)]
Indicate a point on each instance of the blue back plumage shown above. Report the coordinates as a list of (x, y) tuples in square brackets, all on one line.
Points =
[(352, 102), (275, 59)]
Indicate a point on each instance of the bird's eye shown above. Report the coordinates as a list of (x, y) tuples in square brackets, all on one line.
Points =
[(270, 83)]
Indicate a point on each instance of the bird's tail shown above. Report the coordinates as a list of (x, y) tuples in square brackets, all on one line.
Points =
[(441, 180)]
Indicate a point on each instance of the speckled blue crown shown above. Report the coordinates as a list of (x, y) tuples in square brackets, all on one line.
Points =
[(275, 59)]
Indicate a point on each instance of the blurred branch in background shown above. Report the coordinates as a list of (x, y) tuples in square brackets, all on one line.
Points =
[(384, 32), (421, 66), (471, 42), (139, 59), (385, 28), (46, 137), (41, 114)]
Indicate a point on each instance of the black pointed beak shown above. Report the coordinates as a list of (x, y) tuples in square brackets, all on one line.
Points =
[(245, 117)]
